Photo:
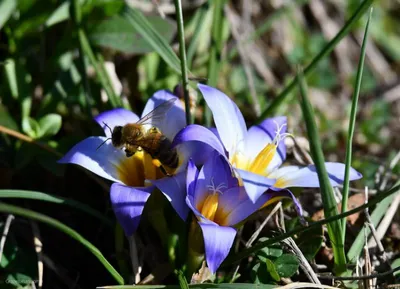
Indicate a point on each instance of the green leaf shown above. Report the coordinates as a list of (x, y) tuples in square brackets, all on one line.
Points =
[(153, 38), (33, 195), (286, 265), (273, 251), (258, 274), (49, 125), (10, 209), (7, 7), (310, 243), (119, 34), (271, 268), (59, 15), (30, 127)]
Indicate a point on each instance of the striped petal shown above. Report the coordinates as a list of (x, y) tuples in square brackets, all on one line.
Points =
[(254, 184), (296, 176)]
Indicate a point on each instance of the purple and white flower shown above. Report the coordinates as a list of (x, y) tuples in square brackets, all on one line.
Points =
[(256, 153), (219, 203)]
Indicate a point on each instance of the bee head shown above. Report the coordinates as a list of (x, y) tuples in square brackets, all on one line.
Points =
[(116, 136)]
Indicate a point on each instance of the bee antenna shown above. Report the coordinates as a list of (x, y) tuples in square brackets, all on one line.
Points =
[(108, 127), (103, 143)]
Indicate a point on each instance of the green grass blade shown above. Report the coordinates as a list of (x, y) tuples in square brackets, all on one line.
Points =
[(32, 195), (155, 40), (328, 198), (372, 202), (352, 124), (100, 70), (182, 55), (10, 209), (376, 216), (202, 13), (324, 52), (182, 280)]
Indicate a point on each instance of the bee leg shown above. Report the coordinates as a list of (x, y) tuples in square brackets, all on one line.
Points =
[(129, 153), (164, 171), (158, 164)]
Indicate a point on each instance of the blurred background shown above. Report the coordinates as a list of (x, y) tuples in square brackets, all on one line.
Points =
[(63, 62)]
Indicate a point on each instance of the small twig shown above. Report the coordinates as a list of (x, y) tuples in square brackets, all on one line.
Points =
[(28, 139), (137, 269), (38, 248), (263, 224), (364, 277), (7, 225)]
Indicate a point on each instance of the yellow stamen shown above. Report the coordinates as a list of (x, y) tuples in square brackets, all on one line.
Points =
[(263, 159), (210, 206)]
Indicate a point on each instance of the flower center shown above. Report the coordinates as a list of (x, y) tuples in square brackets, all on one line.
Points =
[(209, 207), (134, 170), (260, 164)]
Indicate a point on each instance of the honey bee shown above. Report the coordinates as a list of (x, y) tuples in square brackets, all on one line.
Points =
[(139, 136)]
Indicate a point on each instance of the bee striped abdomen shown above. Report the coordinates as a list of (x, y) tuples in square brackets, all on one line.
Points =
[(165, 154)]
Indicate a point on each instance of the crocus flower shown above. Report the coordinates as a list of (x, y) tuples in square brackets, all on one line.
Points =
[(134, 177), (256, 153), (219, 203)]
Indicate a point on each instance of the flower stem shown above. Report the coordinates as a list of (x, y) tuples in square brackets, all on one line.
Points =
[(182, 55)]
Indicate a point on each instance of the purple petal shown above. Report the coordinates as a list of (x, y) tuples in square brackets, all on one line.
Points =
[(128, 204), (260, 135), (274, 194), (218, 241), (174, 119), (191, 178), (115, 117), (295, 176), (237, 206), (201, 134), (254, 184), (103, 161), (199, 152), (174, 188), (227, 117)]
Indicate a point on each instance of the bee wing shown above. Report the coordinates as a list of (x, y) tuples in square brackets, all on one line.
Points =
[(157, 115)]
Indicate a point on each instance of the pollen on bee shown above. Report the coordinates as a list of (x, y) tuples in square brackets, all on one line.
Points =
[(156, 163)]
